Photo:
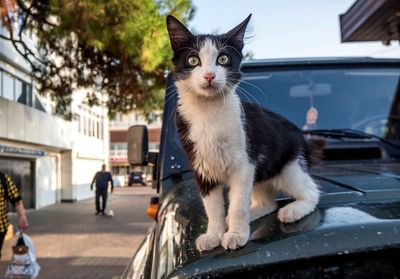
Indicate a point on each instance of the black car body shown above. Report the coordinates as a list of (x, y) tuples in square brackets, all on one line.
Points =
[(355, 230), (136, 177)]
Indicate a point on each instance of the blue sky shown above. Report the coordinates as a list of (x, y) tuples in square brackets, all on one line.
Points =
[(287, 28)]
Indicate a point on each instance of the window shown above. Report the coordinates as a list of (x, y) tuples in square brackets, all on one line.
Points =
[(19, 96), (27, 88), (8, 86), (14, 89), (98, 129), (363, 99), (90, 127), (84, 125), (90, 124), (101, 136)]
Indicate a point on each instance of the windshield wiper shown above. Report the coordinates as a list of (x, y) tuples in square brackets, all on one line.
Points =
[(348, 133)]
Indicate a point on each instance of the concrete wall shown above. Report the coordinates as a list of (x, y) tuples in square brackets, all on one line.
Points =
[(47, 186), (26, 124), (67, 189)]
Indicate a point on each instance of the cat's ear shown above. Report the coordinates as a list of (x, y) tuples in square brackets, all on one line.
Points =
[(179, 35), (236, 35)]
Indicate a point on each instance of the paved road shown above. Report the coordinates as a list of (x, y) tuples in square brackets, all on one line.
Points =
[(72, 242)]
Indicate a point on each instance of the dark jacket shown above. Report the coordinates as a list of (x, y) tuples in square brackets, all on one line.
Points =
[(101, 179)]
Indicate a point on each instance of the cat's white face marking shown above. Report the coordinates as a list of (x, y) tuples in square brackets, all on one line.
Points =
[(208, 79)]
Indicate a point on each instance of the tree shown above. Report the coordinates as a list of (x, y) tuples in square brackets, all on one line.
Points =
[(118, 47)]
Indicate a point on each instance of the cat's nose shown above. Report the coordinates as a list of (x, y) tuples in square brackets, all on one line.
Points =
[(209, 76)]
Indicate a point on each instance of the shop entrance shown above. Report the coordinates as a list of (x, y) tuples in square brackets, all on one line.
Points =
[(22, 173)]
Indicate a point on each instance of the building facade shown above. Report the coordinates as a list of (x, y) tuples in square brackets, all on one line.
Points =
[(118, 141), (50, 159)]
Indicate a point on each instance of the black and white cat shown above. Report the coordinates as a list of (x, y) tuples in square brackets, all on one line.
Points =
[(253, 151)]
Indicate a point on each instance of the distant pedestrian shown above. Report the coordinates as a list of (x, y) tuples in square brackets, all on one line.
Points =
[(101, 180), (9, 192)]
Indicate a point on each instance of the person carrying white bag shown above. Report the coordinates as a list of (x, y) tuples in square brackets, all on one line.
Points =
[(9, 192), (23, 262)]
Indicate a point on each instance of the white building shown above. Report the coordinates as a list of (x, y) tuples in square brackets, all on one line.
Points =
[(118, 141), (50, 159)]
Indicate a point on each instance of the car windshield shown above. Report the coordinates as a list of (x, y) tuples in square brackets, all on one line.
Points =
[(366, 100)]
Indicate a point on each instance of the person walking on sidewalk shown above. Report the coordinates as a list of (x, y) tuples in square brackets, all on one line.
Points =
[(101, 179), (9, 192)]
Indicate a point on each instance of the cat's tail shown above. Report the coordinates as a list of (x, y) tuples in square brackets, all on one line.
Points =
[(315, 150)]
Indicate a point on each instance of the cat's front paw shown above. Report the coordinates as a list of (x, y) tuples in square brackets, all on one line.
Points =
[(207, 242), (234, 240), (292, 212)]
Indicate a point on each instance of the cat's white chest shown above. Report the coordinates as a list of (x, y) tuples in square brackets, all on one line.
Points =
[(212, 149), (218, 137)]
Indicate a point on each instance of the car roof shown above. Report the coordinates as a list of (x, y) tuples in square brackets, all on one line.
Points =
[(317, 61)]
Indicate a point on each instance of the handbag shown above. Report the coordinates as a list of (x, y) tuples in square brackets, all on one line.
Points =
[(23, 262)]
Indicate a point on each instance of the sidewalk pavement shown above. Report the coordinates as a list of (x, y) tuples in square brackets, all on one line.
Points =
[(71, 242)]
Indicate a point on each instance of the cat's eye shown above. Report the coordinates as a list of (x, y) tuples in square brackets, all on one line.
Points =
[(223, 59), (193, 61)]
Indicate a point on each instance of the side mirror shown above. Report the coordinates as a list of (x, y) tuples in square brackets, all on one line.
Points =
[(138, 145)]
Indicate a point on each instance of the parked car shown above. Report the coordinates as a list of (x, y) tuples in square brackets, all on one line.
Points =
[(355, 230), (137, 177)]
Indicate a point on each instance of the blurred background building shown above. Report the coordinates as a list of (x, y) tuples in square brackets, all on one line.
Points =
[(118, 141), (49, 158)]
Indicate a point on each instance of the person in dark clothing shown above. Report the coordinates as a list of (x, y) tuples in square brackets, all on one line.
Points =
[(101, 180)]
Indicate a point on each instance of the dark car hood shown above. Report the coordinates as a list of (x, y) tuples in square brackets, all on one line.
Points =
[(359, 210)]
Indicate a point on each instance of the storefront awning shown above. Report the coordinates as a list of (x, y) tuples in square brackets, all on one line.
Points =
[(371, 20)]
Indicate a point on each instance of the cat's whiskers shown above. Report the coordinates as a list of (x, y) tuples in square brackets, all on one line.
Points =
[(248, 93), (166, 89), (172, 95), (235, 49), (245, 93), (189, 48), (250, 84), (192, 91), (223, 91), (173, 113)]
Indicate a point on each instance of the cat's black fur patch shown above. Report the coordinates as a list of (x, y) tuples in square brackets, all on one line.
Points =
[(272, 141)]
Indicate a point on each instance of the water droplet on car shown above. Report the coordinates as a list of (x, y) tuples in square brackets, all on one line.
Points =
[(172, 158), (379, 233)]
